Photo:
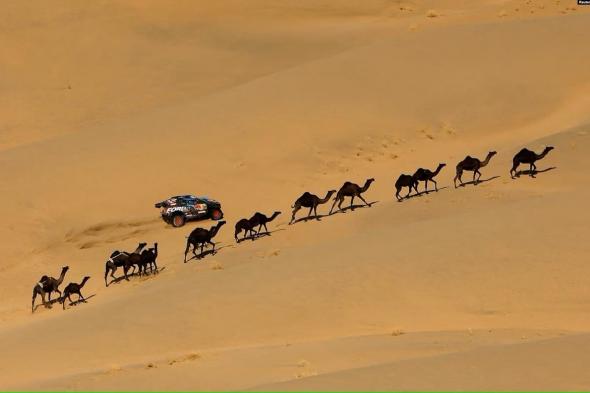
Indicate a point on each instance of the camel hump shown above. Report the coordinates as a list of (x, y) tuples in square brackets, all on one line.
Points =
[(524, 150)]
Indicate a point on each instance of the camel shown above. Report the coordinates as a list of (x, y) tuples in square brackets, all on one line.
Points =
[(261, 220), (72, 288), (526, 156), (405, 181), (119, 259), (244, 225), (351, 190), (311, 201), (148, 258), (200, 236), (427, 175), (46, 285), (474, 165)]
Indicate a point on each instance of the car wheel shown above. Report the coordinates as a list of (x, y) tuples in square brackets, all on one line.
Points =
[(178, 220), (216, 214)]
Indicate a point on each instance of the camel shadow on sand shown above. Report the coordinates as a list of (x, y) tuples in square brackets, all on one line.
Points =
[(475, 183), (259, 235), (310, 218), (208, 252), (135, 274), (425, 192), (78, 301), (53, 301), (353, 207), (533, 172), (49, 304)]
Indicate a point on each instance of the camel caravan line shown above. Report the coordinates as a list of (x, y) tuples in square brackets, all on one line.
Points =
[(142, 259)]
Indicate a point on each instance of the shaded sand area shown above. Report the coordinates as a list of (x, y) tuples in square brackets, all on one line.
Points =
[(110, 107)]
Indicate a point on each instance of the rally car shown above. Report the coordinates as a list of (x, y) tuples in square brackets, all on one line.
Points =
[(179, 209)]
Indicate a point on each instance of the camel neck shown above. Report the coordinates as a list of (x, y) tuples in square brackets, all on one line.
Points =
[(487, 160)]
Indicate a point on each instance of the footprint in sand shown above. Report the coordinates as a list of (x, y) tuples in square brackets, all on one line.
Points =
[(187, 358), (215, 265), (304, 369)]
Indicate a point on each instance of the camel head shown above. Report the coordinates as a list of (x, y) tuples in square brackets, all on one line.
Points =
[(64, 269), (492, 153), (86, 278), (274, 215), (141, 245), (216, 227), (442, 165), (548, 149)]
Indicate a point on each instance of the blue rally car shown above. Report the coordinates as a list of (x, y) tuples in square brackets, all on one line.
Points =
[(179, 209)]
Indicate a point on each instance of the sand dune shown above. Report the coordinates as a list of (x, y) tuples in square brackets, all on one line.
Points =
[(112, 106)]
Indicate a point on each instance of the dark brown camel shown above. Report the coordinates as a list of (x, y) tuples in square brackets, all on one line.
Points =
[(201, 236), (261, 220), (474, 165), (244, 225), (405, 181), (119, 259), (148, 259), (351, 190), (311, 201), (525, 156), (427, 175), (74, 288), (46, 285)]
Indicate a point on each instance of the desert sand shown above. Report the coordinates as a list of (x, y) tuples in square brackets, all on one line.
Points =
[(107, 107)]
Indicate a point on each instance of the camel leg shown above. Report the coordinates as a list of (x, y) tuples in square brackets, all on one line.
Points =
[(35, 293), (125, 270), (426, 186), (458, 176), (315, 212), (295, 210), (333, 204), (435, 185), (186, 250), (351, 202), (213, 244), (266, 228), (398, 189), (513, 172), (478, 176), (533, 169), (106, 273), (113, 270), (81, 298), (310, 211), (363, 199)]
